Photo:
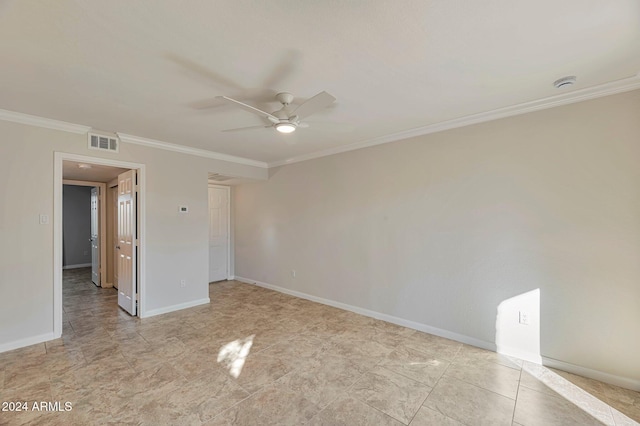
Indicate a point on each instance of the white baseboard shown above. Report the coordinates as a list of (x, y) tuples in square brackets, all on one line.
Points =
[(518, 353), (624, 382), (172, 308), (28, 341), (80, 265), (377, 315), (231, 277)]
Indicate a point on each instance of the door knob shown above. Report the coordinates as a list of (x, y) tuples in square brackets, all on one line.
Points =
[(118, 247)]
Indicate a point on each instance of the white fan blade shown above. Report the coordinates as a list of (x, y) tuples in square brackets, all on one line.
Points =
[(240, 129), (331, 126), (254, 110), (318, 102)]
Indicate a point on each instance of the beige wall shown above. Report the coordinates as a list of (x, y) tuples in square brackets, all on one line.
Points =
[(442, 229), (176, 245)]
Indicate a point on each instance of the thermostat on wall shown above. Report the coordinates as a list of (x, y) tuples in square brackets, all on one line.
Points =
[(183, 209)]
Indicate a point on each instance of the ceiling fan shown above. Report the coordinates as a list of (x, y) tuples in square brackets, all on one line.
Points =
[(286, 119)]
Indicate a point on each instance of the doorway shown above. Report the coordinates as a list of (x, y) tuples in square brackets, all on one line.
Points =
[(101, 171), (219, 232), (83, 224)]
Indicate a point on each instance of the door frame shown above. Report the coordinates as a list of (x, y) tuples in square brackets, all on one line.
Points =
[(102, 219), (58, 159), (228, 189)]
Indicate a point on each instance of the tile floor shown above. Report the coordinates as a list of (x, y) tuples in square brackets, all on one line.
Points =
[(257, 357)]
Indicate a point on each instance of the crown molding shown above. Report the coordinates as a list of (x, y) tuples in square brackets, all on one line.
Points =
[(47, 123), (611, 88), (137, 140), (606, 89)]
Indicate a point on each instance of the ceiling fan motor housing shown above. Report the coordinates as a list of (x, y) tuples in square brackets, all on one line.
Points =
[(284, 98)]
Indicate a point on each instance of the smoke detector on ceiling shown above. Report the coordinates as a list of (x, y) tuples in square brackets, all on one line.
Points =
[(564, 81)]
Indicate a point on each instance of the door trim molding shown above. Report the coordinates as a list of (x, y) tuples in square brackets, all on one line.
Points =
[(58, 158), (102, 219), (229, 253)]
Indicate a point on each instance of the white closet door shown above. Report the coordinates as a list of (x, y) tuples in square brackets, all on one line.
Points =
[(218, 233)]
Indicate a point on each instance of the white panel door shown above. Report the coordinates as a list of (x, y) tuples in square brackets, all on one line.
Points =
[(218, 233), (126, 247), (114, 202), (95, 237)]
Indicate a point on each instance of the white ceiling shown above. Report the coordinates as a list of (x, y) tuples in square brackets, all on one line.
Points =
[(153, 68), (97, 172)]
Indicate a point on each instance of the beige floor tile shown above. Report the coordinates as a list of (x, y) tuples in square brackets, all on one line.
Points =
[(158, 379), (322, 380), (537, 408), (170, 348), (435, 346), (95, 352), (258, 371), (207, 396), (591, 386), (631, 417), (108, 371), (297, 351), (470, 404), (471, 354), (416, 365), (348, 411), (273, 405), (428, 417), (391, 393), (547, 381), (8, 358), (195, 364), (304, 360), (265, 337), (17, 377), (625, 401), (494, 377), (61, 363), (350, 347), (39, 390)]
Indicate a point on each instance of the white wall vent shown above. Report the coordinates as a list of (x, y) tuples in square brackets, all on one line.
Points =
[(104, 142)]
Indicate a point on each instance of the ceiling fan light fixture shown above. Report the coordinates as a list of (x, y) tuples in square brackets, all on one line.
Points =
[(286, 127)]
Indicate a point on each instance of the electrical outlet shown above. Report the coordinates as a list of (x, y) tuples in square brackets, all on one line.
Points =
[(183, 283), (524, 318), (293, 273)]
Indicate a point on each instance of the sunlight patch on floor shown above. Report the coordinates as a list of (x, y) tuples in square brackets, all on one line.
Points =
[(571, 392), (233, 355)]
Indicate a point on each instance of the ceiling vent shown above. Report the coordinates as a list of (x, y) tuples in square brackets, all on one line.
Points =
[(104, 142)]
